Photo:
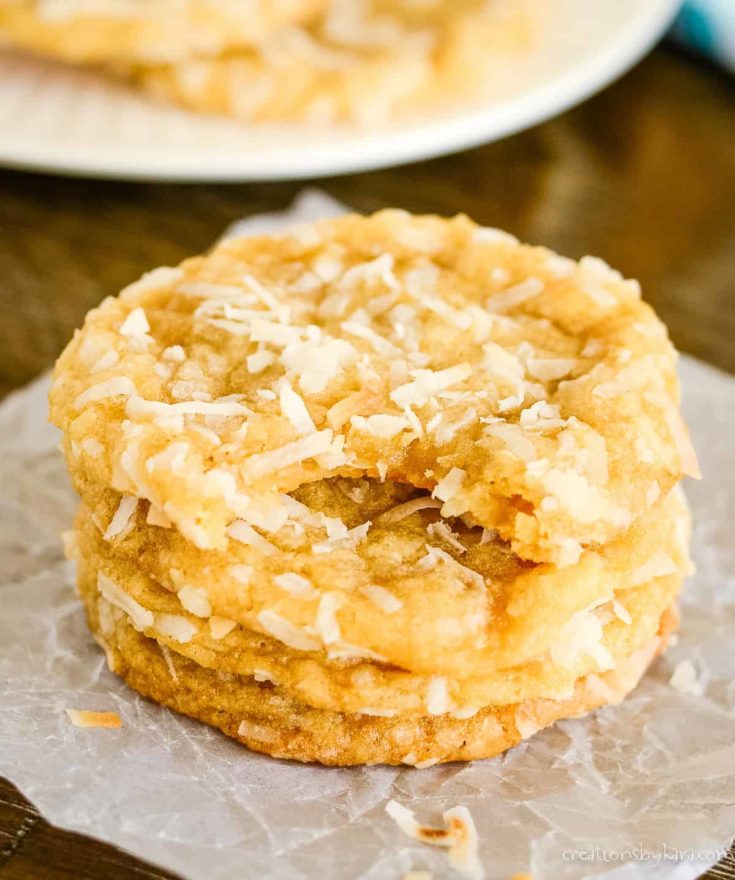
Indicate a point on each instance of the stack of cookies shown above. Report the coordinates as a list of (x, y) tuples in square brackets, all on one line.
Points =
[(389, 489), (358, 61)]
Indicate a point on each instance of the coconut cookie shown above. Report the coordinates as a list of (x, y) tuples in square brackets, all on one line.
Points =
[(526, 393), (417, 591), (145, 31), (316, 666), (362, 61), (261, 716)]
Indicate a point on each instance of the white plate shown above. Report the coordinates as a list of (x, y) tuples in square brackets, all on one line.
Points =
[(62, 120)]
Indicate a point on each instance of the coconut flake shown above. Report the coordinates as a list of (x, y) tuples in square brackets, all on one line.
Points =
[(140, 617), (685, 679), (326, 617), (377, 713), (135, 324), (659, 565), (259, 361), (246, 534), (286, 632), (514, 296), (459, 836), (380, 425), (86, 718), (448, 487), (294, 409), (297, 451), (175, 627), (296, 585), (621, 612), (219, 627), (115, 386), (384, 599), (379, 344), (442, 531), (550, 369), (137, 408), (427, 383), (122, 521), (156, 517), (408, 508), (195, 600), (437, 697)]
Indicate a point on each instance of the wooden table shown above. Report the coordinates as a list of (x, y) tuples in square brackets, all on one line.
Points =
[(642, 175)]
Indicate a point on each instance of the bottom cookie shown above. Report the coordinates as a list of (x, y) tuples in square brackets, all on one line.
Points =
[(261, 717)]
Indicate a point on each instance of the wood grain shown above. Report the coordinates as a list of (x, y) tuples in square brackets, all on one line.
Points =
[(643, 175)]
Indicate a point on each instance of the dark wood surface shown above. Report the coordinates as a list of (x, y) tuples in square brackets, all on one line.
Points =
[(642, 175)]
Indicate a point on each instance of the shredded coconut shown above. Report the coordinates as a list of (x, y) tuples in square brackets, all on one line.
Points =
[(286, 632), (459, 836), (384, 599), (296, 585), (86, 718), (122, 520), (195, 601)]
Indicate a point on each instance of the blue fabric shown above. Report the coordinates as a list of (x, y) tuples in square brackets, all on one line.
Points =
[(709, 27)]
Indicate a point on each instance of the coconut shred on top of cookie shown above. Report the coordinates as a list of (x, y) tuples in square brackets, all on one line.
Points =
[(528, 393)]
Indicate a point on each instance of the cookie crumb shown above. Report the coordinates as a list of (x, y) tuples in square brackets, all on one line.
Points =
[(86, 718)]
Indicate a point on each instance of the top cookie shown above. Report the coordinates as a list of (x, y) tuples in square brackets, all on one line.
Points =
[(535, 395), (145, 31)]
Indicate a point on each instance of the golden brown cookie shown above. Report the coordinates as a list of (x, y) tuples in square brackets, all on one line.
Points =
[(528, 393), (425, 594), (260, 716), (323, 673)]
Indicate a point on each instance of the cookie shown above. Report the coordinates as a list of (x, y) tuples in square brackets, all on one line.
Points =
[(529, 394), (261, 717), (314, 665), (127, 32), (360, 62), (425, 594)]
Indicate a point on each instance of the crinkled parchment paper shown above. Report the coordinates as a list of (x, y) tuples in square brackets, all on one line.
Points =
[(652, 780)]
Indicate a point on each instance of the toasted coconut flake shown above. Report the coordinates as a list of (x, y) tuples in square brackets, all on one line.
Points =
[(377, 713), (219, 627), (174, 354), (296, 585), (459, 836), (87, 718), (286, 632), (384, 599), (123, 518), (195, 601)]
